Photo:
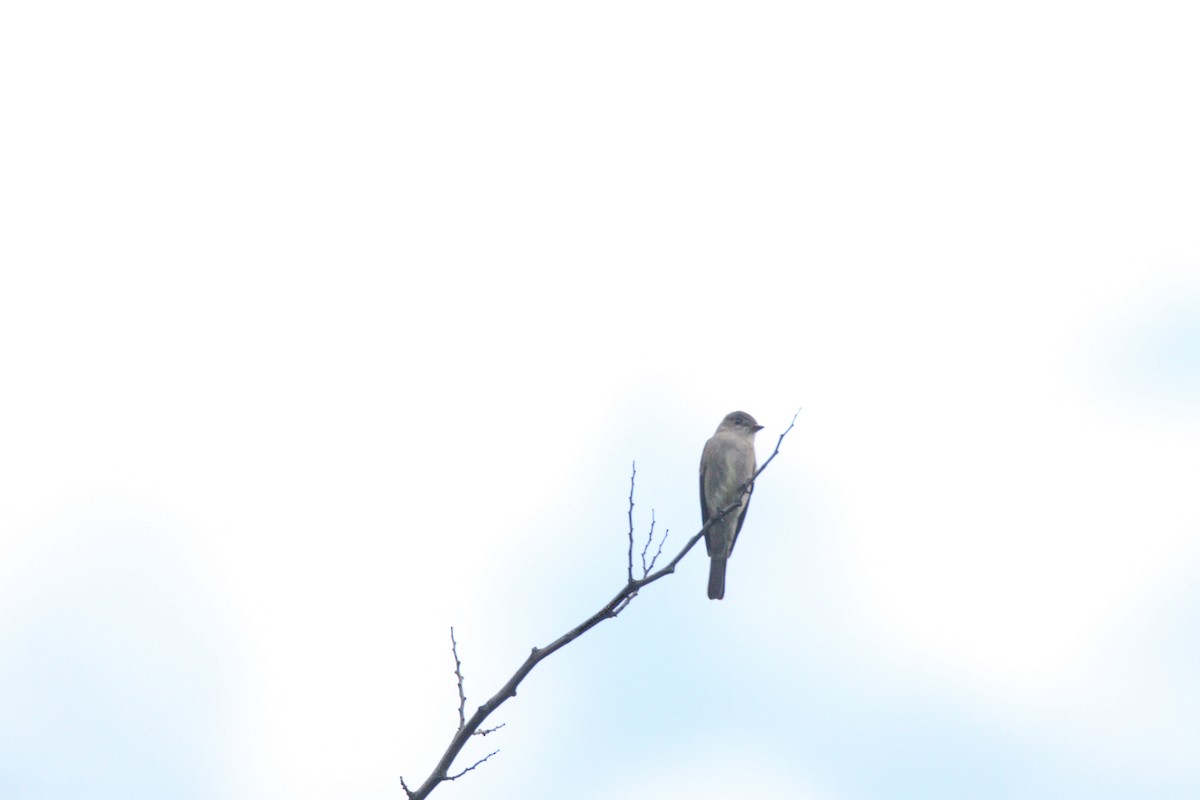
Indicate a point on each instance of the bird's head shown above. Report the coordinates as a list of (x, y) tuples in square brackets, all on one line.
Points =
[(740, 422)]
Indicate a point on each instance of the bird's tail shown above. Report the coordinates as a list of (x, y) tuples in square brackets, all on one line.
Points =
[(716, 579)]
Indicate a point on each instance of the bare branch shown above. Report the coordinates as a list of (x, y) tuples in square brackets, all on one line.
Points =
[(612, 608), (462, 697), (661, 542), (458, 775), (486, 731), (621, 606), (791, 425), (646, 549), (629, 559)]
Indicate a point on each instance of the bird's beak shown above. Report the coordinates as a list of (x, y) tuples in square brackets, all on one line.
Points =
[(757, 428)]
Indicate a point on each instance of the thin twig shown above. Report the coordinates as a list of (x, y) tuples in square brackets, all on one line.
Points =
[(661, 542), (612, 608), (486, 731), (462, 697), (629, 558), (649, 541), (458, 775)]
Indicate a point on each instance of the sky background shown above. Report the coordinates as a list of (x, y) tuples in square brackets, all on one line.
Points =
[(325, 327)]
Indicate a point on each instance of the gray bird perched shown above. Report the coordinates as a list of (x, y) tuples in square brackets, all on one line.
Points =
[(727, 463)]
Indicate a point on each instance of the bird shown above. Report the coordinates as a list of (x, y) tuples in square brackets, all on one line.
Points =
[(726, 465)]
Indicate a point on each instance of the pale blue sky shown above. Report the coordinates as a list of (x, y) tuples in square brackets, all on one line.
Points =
[(324, 328)]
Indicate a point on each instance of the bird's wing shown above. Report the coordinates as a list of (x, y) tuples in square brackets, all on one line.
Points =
[(704, 466), (742, 516)]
